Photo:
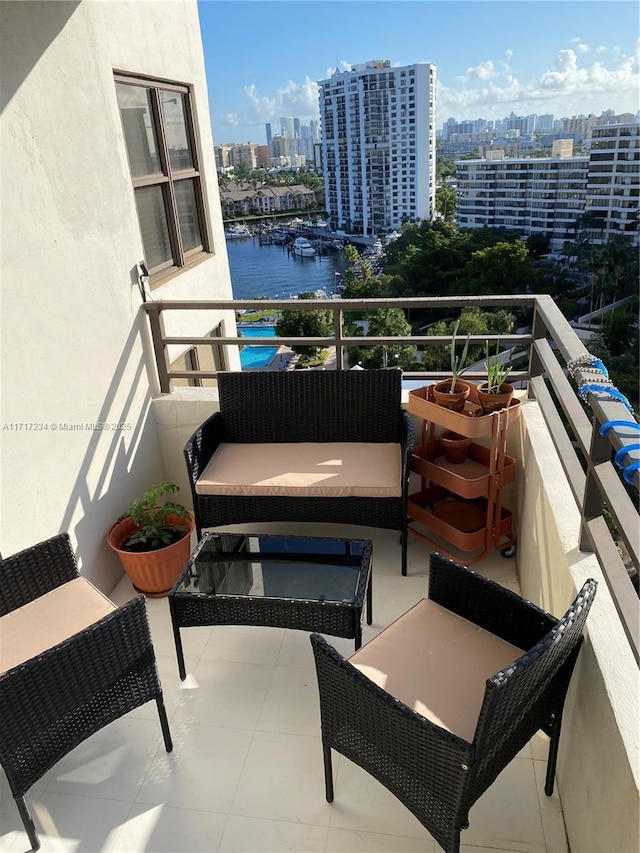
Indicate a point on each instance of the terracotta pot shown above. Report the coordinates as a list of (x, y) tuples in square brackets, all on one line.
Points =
[(455, 446), (451, 400), (494, 402), (151, 572)]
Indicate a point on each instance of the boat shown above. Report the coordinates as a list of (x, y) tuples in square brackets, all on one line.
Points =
[(302, 247), (238, 229)]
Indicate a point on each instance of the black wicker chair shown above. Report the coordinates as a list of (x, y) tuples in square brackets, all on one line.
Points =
[(304, 406), (53, 701), (437, 774)]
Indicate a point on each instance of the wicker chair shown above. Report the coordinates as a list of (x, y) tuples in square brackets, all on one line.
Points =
[(306, 406), (62, 684), (501, 672)]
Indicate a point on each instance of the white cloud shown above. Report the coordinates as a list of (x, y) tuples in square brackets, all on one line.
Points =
[(568, 88), (484, 71), (261, 109)]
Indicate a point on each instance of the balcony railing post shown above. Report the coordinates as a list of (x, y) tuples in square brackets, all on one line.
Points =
[(538, 332), (337, 325), (599, 452), (156, 322)]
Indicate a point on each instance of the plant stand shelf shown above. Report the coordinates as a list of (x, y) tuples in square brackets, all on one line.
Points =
[(460, 504)]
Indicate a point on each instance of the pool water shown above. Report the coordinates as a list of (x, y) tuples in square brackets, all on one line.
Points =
[(253, 356)]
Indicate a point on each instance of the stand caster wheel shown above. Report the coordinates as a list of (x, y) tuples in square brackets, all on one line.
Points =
[(509, 552)]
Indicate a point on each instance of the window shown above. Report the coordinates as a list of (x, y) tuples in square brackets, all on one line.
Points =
[(159, 134)]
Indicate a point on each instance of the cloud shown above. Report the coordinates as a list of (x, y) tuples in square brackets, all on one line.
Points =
[(343, 65), (261, 109), (484, 71), (567, 88)]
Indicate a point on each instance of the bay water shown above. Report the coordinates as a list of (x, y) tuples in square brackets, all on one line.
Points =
[(273, 272)]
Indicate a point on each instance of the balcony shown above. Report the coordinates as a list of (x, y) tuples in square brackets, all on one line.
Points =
[(246, 772)]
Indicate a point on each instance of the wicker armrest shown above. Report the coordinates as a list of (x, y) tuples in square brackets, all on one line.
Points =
[(35, 571), (202, 445), (407, 439), (486, 603)]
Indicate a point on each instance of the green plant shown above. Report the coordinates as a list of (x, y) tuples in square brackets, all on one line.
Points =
[(153, 519), (497, 370), (458, 363)]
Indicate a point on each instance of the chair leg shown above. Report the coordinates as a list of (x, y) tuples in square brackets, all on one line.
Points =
[(164, 723), (328, 773), (553, 753), (403, 542), (29, 825)]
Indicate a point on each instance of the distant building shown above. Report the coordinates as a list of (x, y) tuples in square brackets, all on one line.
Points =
[(378, 145), (613, 183), (550, 195), (534, 195), (268, 132)]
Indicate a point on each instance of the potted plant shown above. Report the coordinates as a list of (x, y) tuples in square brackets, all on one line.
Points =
[(452, 393), (152, 540), (495, 394)]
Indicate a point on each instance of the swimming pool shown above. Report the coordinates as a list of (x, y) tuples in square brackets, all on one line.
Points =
[(252, 356)]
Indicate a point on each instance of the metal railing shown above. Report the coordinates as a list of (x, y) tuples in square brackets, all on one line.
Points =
[(586, 444)]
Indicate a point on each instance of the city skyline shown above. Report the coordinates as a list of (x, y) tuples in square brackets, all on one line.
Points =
[(493, 58)]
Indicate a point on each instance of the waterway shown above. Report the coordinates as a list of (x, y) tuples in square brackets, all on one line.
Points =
[(273, 272)]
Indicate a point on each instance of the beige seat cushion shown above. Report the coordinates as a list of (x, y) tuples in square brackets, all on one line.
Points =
[(326, 469), (50, 619), (436, 663)]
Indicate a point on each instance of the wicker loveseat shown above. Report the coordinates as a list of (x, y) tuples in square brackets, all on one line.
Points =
[(325, 446)]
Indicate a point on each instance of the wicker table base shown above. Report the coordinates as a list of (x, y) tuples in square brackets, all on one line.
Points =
[(299, 582)]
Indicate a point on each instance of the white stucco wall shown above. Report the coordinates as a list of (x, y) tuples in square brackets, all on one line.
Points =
[(598, 773), (74, 341)]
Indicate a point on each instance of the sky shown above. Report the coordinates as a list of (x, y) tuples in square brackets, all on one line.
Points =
[(264, 57)]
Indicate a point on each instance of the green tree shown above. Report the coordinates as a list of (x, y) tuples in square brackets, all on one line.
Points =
[(386, 323), (313, 324), (446, 202), (503, 268), (241, 172)]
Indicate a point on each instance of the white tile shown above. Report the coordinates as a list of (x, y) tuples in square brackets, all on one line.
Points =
[(11, 827), (203, 770), (296, 650), (112, 763), (223, 693), (362, 803), (72, 823), (507, 816), (358, 841), (244, 643), (555, 836), (292, 704), (468, 848), (283, 780), (252, 835), (162, 829)]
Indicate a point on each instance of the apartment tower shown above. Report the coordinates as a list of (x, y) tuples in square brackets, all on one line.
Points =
[(378, 146)]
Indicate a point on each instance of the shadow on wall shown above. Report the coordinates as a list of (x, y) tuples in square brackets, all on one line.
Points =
[(130, 463), (26, 31)]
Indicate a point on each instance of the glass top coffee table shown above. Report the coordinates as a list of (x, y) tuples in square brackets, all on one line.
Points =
[(300, 582)]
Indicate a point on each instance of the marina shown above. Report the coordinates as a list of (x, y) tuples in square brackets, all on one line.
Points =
[(271, 270)]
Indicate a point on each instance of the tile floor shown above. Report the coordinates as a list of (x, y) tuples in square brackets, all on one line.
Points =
[(246, 771)]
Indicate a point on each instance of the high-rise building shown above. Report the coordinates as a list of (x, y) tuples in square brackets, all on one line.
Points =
[(267, 128), (287, 127), (613, 183), (378, 145)]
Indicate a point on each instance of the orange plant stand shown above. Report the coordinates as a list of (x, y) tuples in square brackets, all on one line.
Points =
[(461, 503)]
